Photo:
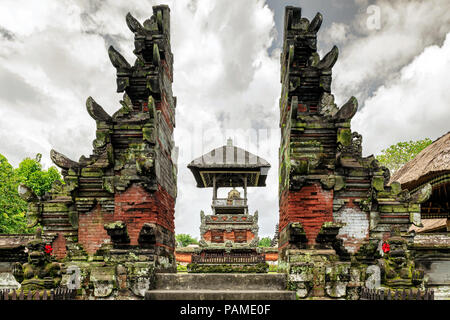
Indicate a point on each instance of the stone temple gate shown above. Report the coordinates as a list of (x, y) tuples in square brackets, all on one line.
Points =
[(343, 226), (118, 204)]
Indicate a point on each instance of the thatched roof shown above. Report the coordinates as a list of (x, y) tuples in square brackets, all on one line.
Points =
[(430, 225), (432, 161)]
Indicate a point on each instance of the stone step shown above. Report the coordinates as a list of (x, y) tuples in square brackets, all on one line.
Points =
[(222, 281), (220, 295)]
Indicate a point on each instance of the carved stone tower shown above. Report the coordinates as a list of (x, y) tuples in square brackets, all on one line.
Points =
[(124, 193), (334, 203)]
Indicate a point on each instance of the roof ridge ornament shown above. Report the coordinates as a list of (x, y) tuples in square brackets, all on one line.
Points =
[(229, 142)]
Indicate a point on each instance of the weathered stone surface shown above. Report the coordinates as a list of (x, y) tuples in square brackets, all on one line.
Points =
[(336, 289), (355, 229), (7, 281), (324, 178), (103, 280)]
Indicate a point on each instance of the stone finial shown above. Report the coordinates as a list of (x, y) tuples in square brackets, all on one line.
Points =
[(315, 24), (134, 25), (329, 60), (229, 142), (62, 161), (38, 234), (422, 195), (117, 60), (347, 111), (96, 111)]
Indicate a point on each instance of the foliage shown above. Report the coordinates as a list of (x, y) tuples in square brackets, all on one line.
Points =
[(181, 267), (265, 242), (12, 207), (273, 268), (398, 154), (185, 239), (31, 174)]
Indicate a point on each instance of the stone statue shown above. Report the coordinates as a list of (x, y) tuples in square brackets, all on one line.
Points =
[(40, 272), (233, 195), (397, 266)]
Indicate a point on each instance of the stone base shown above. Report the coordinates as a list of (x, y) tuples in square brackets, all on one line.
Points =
[(8, 281), (316, 273)]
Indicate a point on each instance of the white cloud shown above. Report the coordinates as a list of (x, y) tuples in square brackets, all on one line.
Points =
[(223, 80), (414, 105), (376, 55), (337, 33), (56, 56)]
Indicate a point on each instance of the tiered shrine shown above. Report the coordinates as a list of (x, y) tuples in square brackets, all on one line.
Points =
[(230, 233)]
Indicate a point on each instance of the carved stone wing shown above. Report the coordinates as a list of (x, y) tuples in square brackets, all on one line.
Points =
[(348, 110), (96, 111), (62, 161)]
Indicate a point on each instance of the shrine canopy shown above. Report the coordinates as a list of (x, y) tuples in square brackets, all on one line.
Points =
[(229, 166), (431, 163), (430, 166)]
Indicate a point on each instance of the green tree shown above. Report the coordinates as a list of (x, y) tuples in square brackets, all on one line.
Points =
[(265, 242), (400, 153), (12, 207), (185, 239), (31, 174)]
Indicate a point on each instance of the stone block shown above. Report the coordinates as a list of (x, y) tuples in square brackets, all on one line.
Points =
[(8, 281)]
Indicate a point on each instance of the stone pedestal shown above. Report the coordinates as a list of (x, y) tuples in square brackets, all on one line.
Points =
[(316, 273)]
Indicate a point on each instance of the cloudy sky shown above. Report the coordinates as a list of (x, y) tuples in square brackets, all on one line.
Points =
[(394, 57)]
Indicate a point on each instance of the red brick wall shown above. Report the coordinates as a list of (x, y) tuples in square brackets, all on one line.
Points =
[(135, 206), (311, 205), (207, 236), (59, 247), (163, 106), (91, 233), (183, 257), (229, 236), (250, 236), (271, 256)]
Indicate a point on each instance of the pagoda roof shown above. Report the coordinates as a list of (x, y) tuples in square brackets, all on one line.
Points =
[(232, 161)]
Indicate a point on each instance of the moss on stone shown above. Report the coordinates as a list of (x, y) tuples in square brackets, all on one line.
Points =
[(344, 136), (378, 183)]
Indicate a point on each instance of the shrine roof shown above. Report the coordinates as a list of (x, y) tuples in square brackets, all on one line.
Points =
[(431, 162), (231, 160)]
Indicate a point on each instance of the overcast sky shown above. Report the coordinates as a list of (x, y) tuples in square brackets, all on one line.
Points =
[(394, 58)]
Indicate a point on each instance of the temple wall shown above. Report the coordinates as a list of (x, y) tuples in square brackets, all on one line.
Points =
[(59, 246), (91, 233), (207, 236), (183, 255), (311, 205), (356, 228), (134, 207)]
